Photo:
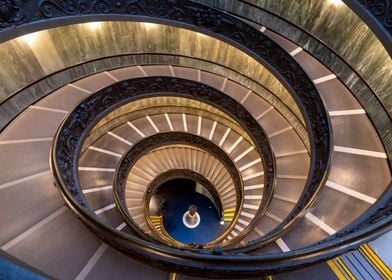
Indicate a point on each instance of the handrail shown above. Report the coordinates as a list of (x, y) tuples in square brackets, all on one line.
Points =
[(258, 214), (344, 61), (252, 224), (125, 57), (218, 24), (36, 15), (75, 128), (112, 97), (375, 222), (169, 138), (212, 263)]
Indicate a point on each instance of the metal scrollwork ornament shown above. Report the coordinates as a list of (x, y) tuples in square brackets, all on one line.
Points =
[(11, 13)]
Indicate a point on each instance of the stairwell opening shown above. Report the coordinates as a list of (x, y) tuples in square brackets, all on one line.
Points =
[(173, 199)]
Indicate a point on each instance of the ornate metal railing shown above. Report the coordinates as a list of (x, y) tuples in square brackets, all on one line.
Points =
[(75, 129), (216, 23), (34, 15), (212, 262), (162, 139), (17, 12)]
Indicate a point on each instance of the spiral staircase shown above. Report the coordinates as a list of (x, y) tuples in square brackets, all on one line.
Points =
[(278, 111)]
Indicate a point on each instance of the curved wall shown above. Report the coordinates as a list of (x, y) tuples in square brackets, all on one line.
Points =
[(335, 25), (338, 38)]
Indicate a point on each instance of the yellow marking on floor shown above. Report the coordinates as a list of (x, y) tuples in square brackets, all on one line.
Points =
[(228, 215), (346, 270), (375, 260), (332, 265)]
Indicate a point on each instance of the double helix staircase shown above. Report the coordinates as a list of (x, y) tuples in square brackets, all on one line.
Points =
[(62, 232)]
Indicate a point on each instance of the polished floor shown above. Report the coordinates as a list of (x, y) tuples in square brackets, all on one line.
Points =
[(179, 195)]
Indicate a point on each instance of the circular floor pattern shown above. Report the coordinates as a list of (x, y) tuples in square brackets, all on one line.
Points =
[(178, 195)]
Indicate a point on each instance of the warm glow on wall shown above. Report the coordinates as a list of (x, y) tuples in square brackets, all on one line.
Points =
[(149, 25), (94, 25), (201, 35), (30, 38), (336, 2)]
